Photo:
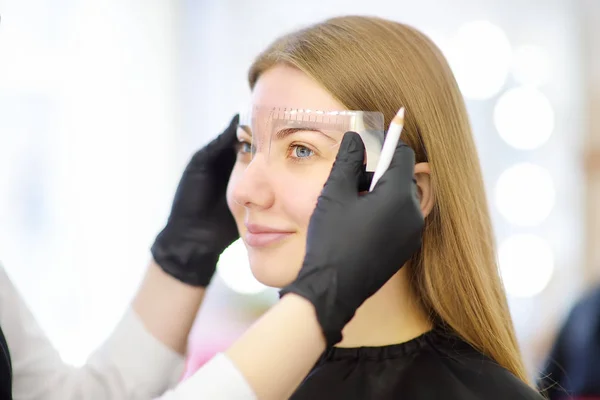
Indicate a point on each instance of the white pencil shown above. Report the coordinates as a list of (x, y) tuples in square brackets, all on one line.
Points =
[(389, 147)]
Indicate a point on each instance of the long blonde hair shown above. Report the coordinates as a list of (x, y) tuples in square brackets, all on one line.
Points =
[(373, 64)]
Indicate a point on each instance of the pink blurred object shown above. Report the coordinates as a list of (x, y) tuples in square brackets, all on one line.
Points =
[(202, 352)]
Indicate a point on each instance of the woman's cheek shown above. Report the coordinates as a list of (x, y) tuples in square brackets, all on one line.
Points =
[(304, 198), (236, 174)]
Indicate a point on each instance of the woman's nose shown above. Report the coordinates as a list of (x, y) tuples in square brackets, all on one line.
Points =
[(252, 189)]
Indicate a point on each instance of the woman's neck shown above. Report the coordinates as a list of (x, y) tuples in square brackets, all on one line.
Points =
[(392, 315)]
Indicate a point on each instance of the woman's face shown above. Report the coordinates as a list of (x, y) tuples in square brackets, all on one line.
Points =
[(272, 198)]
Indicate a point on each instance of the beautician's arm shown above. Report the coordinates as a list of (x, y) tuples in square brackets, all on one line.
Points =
[(167, 307), (186, 251), (268, 362), (131, 365), (288, 340)]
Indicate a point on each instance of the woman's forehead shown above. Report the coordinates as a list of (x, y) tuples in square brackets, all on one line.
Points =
[(283, 86)]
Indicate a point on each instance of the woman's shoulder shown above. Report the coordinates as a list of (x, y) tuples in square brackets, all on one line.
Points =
[(456, 370), (432, 366)]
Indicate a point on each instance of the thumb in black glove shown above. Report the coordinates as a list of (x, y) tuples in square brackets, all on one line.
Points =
[(200, 225), (356, 243)]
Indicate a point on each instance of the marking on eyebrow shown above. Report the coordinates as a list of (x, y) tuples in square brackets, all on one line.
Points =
[(283, 133)]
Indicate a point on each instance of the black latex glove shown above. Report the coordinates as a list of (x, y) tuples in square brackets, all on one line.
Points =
[(356, 243), (200, 225)]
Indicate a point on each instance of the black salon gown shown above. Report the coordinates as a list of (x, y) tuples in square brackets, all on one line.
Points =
[(431, 366)]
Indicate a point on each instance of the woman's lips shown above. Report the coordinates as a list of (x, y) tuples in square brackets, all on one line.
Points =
[(262, 236), (264, 239)]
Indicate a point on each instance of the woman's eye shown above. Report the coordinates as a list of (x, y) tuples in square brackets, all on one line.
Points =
[(302, 152), (247, 147), (244, 147)]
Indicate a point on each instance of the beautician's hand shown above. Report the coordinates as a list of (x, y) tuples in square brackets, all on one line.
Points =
[(356, 243), (200, 225)]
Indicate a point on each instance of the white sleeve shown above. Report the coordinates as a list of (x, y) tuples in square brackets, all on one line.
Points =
[(130, 365), (218, 379)]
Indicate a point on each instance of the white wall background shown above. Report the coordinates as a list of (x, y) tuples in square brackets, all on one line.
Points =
[(88, 131)]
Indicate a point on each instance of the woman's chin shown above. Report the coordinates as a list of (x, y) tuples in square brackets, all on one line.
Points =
[(276, 269), (274, 277)]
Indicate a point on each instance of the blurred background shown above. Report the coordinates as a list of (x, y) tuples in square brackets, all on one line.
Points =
[(103, 102)]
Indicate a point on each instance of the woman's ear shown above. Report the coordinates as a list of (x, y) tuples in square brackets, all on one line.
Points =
[(426, 197)]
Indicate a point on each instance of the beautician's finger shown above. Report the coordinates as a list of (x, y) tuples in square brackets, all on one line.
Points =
[(344, 179), (397, 189), (401, 169)]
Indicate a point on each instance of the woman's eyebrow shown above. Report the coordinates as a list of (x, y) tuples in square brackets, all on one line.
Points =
[(283, 133), (244, 128)]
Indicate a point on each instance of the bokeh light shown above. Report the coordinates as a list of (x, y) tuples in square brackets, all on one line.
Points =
[(235, 271), (524, 118), (531, 66), (525, 194), (526, 264), (480, 57)]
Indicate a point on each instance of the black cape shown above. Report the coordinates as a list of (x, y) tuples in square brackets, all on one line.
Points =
[(431, 366)]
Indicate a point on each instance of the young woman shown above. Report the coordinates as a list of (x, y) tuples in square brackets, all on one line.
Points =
[(440, 328)]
